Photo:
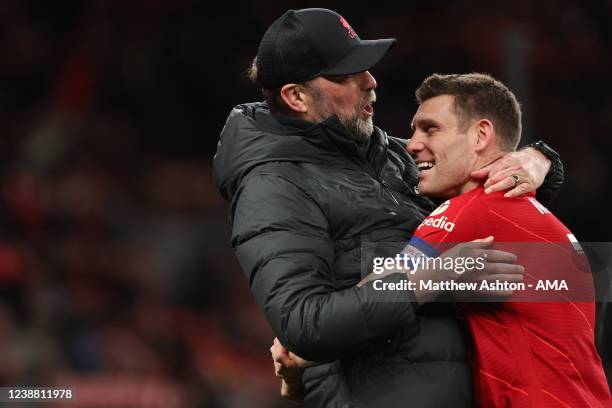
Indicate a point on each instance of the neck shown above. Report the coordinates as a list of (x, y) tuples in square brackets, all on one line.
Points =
[(483, 161), (470, 185)]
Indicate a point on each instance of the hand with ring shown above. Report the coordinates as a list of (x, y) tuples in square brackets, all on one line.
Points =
[(518, 172)]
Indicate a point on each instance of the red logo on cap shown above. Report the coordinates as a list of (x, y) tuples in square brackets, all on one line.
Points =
[(346, 25)]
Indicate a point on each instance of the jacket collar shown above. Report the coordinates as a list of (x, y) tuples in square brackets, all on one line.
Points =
[(333, 137)]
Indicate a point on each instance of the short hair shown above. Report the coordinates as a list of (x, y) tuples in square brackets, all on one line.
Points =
[(478, 96), (272, 96)]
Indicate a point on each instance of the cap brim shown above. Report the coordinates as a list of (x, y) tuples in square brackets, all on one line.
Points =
[(362, 57)]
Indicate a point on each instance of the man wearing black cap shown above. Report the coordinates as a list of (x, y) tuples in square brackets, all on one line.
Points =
[(310, 180)]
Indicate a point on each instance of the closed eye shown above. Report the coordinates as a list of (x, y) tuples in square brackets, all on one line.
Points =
[(427, 125), (431, 129)]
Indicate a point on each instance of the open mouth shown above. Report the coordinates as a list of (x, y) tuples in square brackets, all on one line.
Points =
[(368, 109), (425, 165)]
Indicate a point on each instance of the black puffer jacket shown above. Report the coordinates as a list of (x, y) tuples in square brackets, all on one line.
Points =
[(303, 201)]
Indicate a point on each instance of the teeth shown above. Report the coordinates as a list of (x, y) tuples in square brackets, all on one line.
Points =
[(425, 165)]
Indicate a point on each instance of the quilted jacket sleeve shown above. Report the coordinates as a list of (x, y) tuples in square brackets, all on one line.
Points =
[(281, 239)]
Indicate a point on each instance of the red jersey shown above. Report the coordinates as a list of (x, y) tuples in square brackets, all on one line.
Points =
[(527, 354)]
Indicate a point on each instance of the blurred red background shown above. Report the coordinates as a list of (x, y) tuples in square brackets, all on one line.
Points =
[(116, 272)]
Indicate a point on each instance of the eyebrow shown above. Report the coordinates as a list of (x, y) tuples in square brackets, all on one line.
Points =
[(423, 123)]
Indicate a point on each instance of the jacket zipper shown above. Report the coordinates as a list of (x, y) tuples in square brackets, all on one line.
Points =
[(378, 178), (381, 181)]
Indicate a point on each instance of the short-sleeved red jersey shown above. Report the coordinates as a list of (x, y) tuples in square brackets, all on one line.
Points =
[(527, 354)]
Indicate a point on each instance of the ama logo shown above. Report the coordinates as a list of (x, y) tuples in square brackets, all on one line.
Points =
[(441, 222), (346, 25)]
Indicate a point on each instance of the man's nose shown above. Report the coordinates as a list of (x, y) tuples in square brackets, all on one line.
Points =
[(368, 81), (414, 145)]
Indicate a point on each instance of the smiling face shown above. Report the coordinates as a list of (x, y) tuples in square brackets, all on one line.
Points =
[(443, 151), (350, 97)]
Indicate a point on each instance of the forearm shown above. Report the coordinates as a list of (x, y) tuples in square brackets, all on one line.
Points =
[(348, 320), (326, 326)]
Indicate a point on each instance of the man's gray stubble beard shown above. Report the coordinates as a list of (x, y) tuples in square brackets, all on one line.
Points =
[(358, 129)]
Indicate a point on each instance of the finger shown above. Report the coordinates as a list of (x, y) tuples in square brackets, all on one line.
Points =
[(278, 345), (285, 360), (488, 239), (281, 355), (468, 249), (503, 269), (510, 278), (300, 362), (495, 255), (275, 345), (521, 189), (505, 184), (278, 353), (501, 176), (497, 176), (278, 349), (504, 164), (512, 160), (277, 369), (478, 243), (285, 392)]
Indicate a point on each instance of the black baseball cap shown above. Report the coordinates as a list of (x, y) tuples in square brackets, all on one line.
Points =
[(303, 44)]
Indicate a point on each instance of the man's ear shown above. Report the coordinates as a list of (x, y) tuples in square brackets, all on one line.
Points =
[(294, 97), (485, 134)]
